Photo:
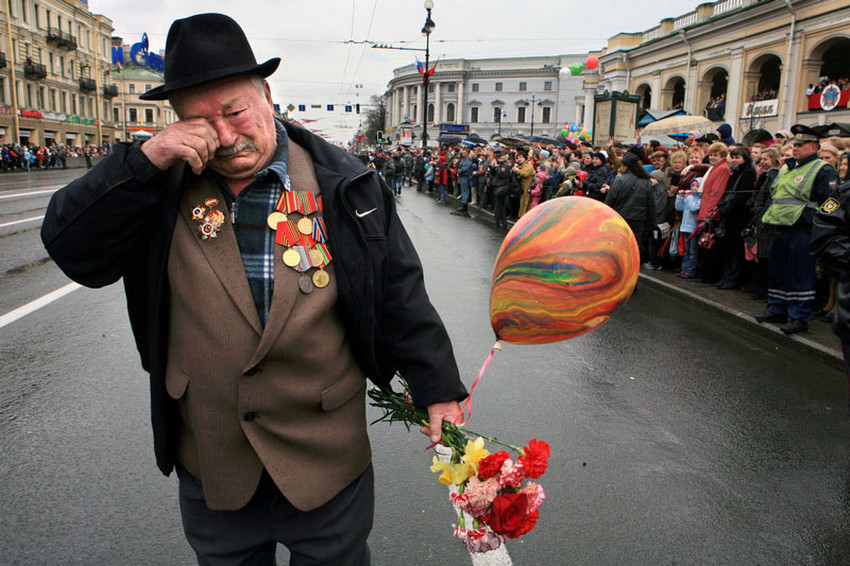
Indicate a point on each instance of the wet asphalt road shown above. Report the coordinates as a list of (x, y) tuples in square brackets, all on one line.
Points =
[(677, 436)]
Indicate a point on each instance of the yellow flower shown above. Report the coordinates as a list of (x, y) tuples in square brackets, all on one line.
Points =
[(473, 453), (455, 474)]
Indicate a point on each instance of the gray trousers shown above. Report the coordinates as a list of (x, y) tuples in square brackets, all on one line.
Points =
[(333, 535)]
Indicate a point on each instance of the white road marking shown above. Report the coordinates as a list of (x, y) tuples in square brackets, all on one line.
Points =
[(33, 306), (34, 218), (30, 193)]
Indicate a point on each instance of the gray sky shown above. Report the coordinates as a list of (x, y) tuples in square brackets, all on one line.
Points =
[(318, 67)]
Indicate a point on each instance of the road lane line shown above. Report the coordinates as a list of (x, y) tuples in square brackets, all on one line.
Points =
[(31, 193), (33, 306), (22, 221)]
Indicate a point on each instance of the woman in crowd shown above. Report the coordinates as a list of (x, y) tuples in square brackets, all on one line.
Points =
[(631, 196), (713, 187), (596, 175), (735, 215), (767, 169)]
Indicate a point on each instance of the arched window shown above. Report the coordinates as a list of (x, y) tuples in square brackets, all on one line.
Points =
[(497, 114), (431, 112), (450, 112)]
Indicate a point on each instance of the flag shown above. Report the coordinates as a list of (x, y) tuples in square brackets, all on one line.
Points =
[(419, 66), (432, 69)]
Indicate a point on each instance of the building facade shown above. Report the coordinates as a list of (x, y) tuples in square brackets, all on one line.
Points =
[(53, 58), (488, 97), (751, 63)]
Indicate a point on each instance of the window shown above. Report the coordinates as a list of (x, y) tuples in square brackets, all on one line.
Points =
[(547, 114), (41, 91), (520, 114), (133, 117), (115, 114), (2, 90), (132, 88), (450, 112), (430, 112), (29, 96), (547, 85), (149, 115), (523, 86), (450, 87), (63, 102), (147, 88), (473, 114), (498, 87), (24, 11), (53, 100), (474, 87), (62, 65), (73, 104), (497, 114), (431, 87)]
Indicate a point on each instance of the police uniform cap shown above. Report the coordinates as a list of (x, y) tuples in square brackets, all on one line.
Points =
[(803, 134)]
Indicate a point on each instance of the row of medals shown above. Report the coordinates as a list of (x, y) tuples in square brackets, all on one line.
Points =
[(291, 258)]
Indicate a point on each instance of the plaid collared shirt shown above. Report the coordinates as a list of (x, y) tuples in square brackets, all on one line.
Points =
[(256, 241)]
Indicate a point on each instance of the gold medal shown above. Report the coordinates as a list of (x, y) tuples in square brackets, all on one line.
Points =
[(305, 284), (305, 226), (274, 218), (321, 278), (316, 257), (291, 258)]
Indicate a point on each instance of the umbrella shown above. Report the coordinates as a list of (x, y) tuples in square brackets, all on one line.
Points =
[(678, 125), (449, 138), (546, 141), (475, 138), (513, 142)]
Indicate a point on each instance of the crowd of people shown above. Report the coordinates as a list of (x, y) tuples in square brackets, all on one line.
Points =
[(26, 157), (698, 208), (843, 83)]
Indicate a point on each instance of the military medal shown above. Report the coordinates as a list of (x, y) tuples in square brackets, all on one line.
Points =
[(291, 258), (305, 238), (305, 284), (275, 218), (321, 278), (210, 223), (305, 226)]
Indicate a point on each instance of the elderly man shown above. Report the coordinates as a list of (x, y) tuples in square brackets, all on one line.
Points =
[(804, 182), (267, 276)]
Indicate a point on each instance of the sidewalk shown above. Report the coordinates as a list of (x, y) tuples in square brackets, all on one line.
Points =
[(735, 304)]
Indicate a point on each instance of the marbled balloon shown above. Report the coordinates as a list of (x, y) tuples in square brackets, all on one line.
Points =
[(562, 270)]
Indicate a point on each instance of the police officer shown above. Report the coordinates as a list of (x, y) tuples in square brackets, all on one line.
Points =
[(804, 182), (831, 245)]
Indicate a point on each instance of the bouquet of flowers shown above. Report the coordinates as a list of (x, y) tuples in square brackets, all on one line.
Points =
[(490, 489)]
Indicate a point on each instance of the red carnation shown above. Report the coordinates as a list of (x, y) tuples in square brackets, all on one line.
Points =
[(536, 458), (491, 465), (508, 515)]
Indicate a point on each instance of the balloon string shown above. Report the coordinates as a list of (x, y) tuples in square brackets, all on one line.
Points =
[(467, 405)]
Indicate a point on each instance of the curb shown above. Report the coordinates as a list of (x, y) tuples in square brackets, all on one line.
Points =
[(831, 356)]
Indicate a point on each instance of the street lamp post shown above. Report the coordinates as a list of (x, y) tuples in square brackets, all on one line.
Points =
[(533, 99), (426, 31)]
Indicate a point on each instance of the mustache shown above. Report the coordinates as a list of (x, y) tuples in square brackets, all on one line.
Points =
[(234, 149)]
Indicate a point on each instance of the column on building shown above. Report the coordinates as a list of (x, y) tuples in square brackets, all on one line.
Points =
[(459, 113), (733, 91), (589, 93), (691, 89), (438, 103), (406, 103), (655, 99)]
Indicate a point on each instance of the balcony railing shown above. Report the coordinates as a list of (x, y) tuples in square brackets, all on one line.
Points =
[(61, 39), (35, 71), (88, 84), (110, 91)]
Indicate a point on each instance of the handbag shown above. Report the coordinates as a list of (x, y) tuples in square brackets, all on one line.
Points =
[(662, 231), (751, 245), (706, 240)]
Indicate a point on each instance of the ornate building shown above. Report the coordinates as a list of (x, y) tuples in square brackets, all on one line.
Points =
[(489, 97), (53, 58), (746, 62)]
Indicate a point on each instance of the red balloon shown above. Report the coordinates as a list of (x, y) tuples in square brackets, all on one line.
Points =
[(592, 62)]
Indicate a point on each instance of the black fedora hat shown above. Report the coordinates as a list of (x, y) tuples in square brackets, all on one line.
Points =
[(205, 48)]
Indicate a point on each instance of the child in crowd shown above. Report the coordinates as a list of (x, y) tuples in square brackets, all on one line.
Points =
[(537, 190), (688, 201)]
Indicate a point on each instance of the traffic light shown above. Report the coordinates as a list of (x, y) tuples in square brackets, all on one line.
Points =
[(380, 137), (357, 108)]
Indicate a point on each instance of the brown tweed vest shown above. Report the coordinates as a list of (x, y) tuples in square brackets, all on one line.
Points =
[(288, 397)]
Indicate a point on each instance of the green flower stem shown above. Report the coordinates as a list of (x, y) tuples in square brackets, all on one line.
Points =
[(398, 408)]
